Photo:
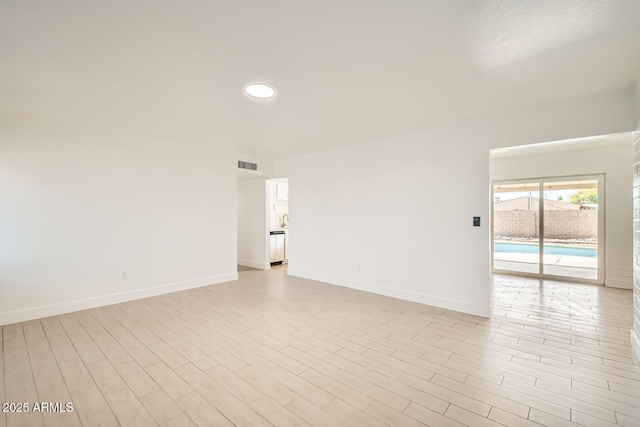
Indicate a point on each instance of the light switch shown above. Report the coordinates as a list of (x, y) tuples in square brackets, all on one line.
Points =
[(476, 221)]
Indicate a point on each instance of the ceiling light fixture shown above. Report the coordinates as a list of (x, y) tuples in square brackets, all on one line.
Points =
[(260, 90)]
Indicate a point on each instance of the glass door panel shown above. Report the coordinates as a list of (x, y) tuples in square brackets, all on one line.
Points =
[(570, 228), (516, 227)]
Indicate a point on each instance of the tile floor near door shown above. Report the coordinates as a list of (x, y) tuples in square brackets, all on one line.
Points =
[(272, 349)]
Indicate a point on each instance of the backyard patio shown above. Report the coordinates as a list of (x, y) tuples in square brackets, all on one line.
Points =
[(556, 265)]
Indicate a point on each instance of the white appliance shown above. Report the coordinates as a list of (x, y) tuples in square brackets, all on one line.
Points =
[(276, 245)]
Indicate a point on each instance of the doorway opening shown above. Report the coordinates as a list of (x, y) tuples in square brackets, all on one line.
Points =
[(278, 214), (549, 228), (252, 223)]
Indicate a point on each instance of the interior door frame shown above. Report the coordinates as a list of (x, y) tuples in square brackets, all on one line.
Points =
[(600, 178)]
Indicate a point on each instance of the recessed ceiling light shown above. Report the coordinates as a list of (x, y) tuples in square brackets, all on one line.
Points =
[(260, 90)]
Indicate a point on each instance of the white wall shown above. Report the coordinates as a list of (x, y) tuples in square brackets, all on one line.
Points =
[(401, 208), (611, 156), (253, 223), (638, 104), (635, 332), (76, 209)]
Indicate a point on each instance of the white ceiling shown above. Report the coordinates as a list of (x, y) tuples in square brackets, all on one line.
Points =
[(553, 147), (345, 71)]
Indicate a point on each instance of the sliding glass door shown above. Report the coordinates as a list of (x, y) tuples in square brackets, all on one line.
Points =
[(571, 225), (516, 227), (549, 227)]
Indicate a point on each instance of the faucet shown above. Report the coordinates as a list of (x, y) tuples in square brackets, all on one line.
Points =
[(284, 222)]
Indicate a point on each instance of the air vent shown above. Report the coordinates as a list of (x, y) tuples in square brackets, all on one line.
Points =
[(247, 165)]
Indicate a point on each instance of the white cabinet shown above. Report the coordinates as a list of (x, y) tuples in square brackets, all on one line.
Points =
[(282, 191)]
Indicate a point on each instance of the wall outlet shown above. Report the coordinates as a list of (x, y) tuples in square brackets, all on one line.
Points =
[(124, 275), (358, 267)]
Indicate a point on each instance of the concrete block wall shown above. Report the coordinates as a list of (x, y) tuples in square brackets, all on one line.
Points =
[(516, 223), (578, 224)]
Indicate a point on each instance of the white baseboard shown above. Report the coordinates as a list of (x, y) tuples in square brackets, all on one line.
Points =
[(436, 301), (619, 283), (635, 343), (86, 303), (254, 264)]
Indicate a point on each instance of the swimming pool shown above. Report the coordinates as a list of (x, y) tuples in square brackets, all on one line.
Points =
[(531, 248)]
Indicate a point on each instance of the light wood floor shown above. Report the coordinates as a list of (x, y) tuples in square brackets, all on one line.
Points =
[(272, 349)]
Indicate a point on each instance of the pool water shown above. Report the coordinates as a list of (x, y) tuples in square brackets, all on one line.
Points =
[(529, 248)]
